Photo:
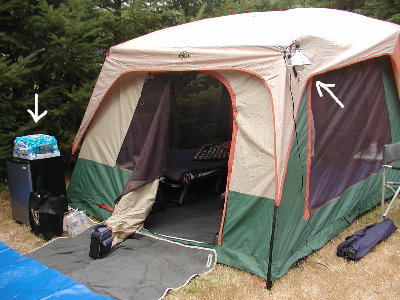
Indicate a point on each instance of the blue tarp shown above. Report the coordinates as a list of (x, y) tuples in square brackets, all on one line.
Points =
[(22, 277)]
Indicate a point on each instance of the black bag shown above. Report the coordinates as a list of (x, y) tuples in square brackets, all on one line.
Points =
[(100, 241), (46, 213), (361, 242)]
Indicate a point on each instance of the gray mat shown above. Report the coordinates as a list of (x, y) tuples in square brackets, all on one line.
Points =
[(197, 219), (141, 268)]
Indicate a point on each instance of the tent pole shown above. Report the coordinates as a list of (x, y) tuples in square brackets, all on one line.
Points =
[(269, 282)]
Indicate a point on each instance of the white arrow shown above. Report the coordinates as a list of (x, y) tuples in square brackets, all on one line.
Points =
[(327, 86), (36, 117)]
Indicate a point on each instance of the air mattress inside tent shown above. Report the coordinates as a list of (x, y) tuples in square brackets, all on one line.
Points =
[(22, 277), (141, 267)]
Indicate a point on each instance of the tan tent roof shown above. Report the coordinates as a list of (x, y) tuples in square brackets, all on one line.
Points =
[(254, 42), (275, 28)]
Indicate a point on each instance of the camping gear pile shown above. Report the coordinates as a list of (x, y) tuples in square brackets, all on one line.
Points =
[(294, 178)]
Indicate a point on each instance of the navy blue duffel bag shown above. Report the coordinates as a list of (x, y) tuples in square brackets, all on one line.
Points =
[(362, 241)]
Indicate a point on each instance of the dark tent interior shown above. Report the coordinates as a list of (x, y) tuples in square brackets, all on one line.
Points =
[(190, 197)]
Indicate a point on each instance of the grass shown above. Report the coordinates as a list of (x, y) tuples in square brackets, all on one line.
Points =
[(321, 275), (326, 276), (13, 234)]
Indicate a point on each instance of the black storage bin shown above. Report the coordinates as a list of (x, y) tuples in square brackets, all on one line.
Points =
[(27, 176)]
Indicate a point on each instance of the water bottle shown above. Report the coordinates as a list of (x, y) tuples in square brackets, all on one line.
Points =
[(76, 222), (68, 223)]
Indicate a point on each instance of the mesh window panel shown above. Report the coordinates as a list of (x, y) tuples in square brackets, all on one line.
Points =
[(204, 109), (346, 142), (145, 150), (185, 110)]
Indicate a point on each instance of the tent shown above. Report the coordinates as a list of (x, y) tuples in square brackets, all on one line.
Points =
[(306, 140)]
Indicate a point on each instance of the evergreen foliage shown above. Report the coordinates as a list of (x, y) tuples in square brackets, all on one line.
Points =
[(56, 48), (52, 50)]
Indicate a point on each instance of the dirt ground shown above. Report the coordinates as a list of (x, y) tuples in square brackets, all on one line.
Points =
[(322, 275), (14, 235)]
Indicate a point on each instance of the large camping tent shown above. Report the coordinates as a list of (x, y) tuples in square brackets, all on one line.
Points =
[(306, 141)]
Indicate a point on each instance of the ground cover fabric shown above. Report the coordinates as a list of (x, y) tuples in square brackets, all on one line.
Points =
[(141, 268)]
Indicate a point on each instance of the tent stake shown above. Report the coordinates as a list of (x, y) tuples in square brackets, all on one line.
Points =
[(269, 282)]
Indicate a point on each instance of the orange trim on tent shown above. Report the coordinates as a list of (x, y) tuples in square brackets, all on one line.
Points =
[(349, 64), (396, 58), (396, 54), (163, 71), (396, 63), (285, 165), (211, 70), (273, 121), (234, 135), (309, 149), (233, 144), (274, 126), (106, 207), (159, 72), (222, 79)]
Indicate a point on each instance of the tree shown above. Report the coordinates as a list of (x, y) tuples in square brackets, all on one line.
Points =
[(383, 9), (16, 66), (388, 10), (128, 19), (56, 51)]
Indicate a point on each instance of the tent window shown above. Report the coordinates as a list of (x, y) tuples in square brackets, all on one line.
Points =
[(150, 131), (204, 109), (346, 142), (146, 147), (183, 110)]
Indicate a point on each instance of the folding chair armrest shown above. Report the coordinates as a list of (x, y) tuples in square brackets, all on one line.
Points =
[(392, 167), (393, 182)]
